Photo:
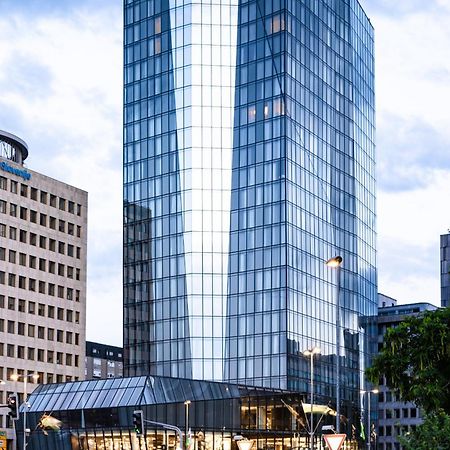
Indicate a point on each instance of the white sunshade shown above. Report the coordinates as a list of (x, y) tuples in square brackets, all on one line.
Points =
[(318, 409)]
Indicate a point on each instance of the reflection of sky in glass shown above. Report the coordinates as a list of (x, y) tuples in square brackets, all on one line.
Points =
[(205, 171), (200, 40)]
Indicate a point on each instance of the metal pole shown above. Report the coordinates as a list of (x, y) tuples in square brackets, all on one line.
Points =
[(368, 420), (25, 412), (186, 403), (169, 427), (338, 349), (312, 401)]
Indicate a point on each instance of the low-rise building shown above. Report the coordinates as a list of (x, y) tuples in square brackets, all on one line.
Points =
[(395, 416), (103, 361)]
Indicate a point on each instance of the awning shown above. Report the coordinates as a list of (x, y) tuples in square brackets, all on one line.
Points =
[(318, 409)]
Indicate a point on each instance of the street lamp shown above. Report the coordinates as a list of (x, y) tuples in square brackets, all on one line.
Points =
[(369, 431), (186, 404), (310, 353), (336, 263), (16, 377)]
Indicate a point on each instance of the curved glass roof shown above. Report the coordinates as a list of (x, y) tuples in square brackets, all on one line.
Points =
[(133, 391)]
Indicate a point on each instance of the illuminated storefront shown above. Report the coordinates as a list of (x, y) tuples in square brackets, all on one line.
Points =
[(97, 415)]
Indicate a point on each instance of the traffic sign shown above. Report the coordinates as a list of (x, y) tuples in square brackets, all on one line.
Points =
[(3, 441), (334, 441)]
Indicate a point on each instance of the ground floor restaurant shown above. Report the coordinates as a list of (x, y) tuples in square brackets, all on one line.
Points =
[(98, 415)]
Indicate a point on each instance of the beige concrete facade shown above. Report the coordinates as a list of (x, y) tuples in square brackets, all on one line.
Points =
[(43, 246)]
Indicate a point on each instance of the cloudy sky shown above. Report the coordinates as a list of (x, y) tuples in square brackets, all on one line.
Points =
[(61, 91)]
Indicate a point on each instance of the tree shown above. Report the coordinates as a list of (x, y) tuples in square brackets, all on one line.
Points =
[(433, 433), (415, 360)]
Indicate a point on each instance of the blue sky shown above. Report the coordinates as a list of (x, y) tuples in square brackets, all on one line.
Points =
[(61, 91)]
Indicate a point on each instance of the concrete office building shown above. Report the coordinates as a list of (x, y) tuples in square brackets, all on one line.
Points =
[(43, 235), (103, 361), (395, 417), (445, 270), (249, 161)]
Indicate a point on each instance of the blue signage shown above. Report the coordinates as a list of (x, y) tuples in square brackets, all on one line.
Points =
[(19, 172)]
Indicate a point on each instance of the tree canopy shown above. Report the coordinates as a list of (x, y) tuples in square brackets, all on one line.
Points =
[(434, 433), (415, 360)]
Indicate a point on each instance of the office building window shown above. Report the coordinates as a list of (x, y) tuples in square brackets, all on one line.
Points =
[(23, 213), (12, 303), (13, 210), (50, 334), (11, 326), (22, 259), (12, 279), (21, 305), (41, 309), (21, 328), (10, 350)]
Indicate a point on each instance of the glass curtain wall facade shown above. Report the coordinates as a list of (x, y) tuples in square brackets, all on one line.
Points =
[(178, 133), (249, 161)]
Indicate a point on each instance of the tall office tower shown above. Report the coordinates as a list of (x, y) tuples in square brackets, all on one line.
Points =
[(249, 161), (445, 270), (43, 238)]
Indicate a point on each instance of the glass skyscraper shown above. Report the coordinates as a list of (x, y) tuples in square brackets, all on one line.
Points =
[(249, 160)]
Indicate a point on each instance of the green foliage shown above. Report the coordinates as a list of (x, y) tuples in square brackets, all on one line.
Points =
[(434, 434), (416, 360)]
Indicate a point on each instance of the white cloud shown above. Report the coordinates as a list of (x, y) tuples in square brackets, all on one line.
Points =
[(412, 83), (410, 224), (63, 96), (410, 51)]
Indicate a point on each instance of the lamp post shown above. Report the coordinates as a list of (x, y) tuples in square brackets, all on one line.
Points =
[(186, 404), (310, 353), (336, 263), (369, 431), (16, 377)]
